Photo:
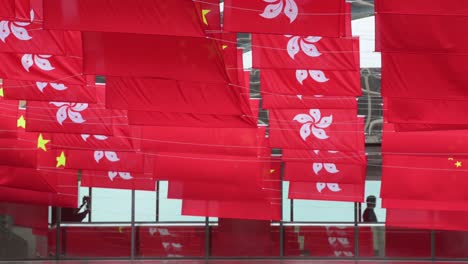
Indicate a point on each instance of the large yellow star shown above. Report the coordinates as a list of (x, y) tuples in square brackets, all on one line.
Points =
[(1, 92), (204, 13), (21, 122), (61, 160), (41, 142), (458, 164)]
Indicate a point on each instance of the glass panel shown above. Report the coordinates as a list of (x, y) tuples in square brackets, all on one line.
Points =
[(145, 206), (244, 238), (323, 211), (451, 244), (373, 188), (111, 205), (286, 202), (171, 241), (395, 242), (319, 241), (170, 209), (110, 241)]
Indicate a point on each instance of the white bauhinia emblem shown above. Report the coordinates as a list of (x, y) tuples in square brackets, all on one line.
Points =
[(98, 137), (334, 187), (41, 61), (344, 253), (16, 27), (342, 242), (70, 110), (318, 76), (274, 9), (56, 86), (110, 156), (313, 124), (124, 175), (329, 167), (297, 43)]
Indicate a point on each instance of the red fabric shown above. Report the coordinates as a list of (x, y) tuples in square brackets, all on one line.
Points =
[(113, 180), (407, 243), (145, 118), (287, 17), (330, 191), (48, 91), (418, 7), (24, 178), (211, 21), (178, 58), (26, 215), (344, 134), (433, 71), (451, 244), (172, 96), (18, 153), (416, 204), (424, 219), (170, 241), (319, 172), (425, 111), (9, 116), (42, 67), (20, 9), (297, 52), (427, 127), (203, 167), (225, 141), (167, 17), (311, 82), (280, 101), (300, 155), (215, 191)]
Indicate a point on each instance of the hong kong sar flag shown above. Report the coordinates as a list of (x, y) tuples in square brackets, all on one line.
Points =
[(326, 129)]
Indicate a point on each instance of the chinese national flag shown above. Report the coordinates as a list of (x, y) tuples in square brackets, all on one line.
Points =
[(286, 17), (118, 180), (164, 17), (304, 52), (18, 152), (310, 82), (9, 116), (316, 129), (331, 191)]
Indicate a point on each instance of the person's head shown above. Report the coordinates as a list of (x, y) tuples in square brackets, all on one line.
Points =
[(371, 200)]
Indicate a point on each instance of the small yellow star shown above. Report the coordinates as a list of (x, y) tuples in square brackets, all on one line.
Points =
[(61, 160), (21, 122), (120, 229), (41, 142), (1, 92), (224, 47), (272, 170), (204, 13), (458, 164)]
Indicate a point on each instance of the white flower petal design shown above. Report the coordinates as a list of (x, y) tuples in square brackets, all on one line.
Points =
[(43, 63), (152, 230), (79, 107), (343, 241), (125, 175), (291, 10), (75, 117), (319, 133), (112, 175), (166, 245), (325, 122), (330, 167), (58, 86), (19, 32), (273, 10), (100, 137), (164, 231), (313, 39), (41, 86), (301, 75), (31, 15), (85, 136), (98, 155), (303, 118), (317, 167), (61, 114), (331, 240), (21, 24), (315, 113), (27, 61), (310, 49), (316, 151), (318, 76), (299, 96), (334, 187), (320, 186), (177, 245), (111, 156), (59, 104), (305, 131), (293, 47), (4, 30)]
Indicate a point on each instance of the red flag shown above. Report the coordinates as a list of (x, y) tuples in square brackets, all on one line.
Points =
[(18, 152), (167, 17), (42, 67), (286, 17), (328, 129), (302, 155), (299, 52), (9, 116), (326, 171), (311, 82), (280, 101), (118, 180), (425, 219), (326, 191), (20, 9), (48, 91), (141, 55), (216, 191), (434, 71), (172, 96), (210, 14), (24, 178)]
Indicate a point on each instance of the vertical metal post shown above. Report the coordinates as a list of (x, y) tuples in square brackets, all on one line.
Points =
[(157, 201), (132, 241), (90, 194), (291, 206), (282, 216), (356, 230), (58, 241), (433, 245), (207, 238)]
